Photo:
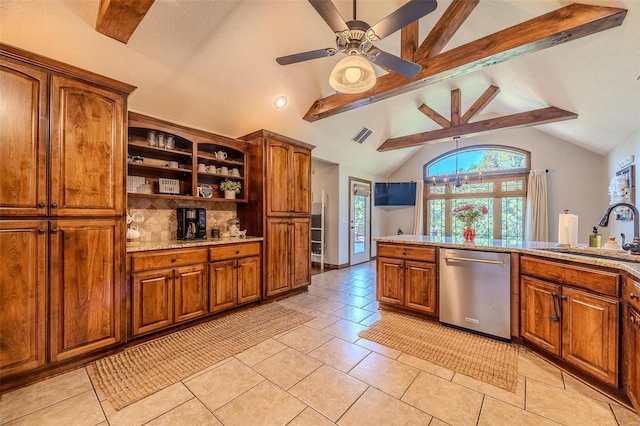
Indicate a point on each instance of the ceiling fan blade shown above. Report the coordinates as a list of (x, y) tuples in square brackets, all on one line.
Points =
[(330, 14), (305, 56), (395, 63), (403, 16)]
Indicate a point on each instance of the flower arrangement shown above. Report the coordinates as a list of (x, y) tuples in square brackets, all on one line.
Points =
[(619, 190), (469, 213), (230, 185)]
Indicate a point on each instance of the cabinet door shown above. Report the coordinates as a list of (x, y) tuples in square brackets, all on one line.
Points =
[(632, 355), (390, 280), (249, 279), (420, 286), (301, 252), (541, 313), (278, 256), (152, 301), (223, 285), (22, 295), (301, 180), (86, 279), (87, 160), (23, 132), (190, 292), (590, 327), (278, 178)]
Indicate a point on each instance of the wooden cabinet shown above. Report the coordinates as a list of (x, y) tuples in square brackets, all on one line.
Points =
[(85, 291), (567, 320), (289, 249), (406, 276), (23, 250), (631, 321), (62, 132), (237, 281), (279, 209), (196, 158), (290, 188), (168, 287)]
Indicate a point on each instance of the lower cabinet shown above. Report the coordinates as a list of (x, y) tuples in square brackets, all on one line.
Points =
[(576, 325), (288, 254), (631, 332), (405, 280), (233, 282), (167, 287)]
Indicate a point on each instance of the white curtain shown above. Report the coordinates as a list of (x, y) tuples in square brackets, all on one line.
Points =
[(537, 218), (417, 225)]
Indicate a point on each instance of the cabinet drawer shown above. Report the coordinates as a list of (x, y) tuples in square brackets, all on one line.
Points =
[(230, 251), (168, 259), (632, 287), (427, 254), (600, 281)]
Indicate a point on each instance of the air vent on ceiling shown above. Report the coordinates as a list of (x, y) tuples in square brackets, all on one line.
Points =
[(362, 134)]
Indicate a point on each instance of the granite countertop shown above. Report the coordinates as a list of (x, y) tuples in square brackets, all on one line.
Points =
[(614, 259), (137, 246)]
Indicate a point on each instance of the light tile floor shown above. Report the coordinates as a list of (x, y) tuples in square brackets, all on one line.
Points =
[(322, 373)]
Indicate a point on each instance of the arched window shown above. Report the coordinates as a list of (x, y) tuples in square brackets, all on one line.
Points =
[(493, 176)]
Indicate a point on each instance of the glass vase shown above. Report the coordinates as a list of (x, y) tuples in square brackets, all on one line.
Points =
[(469, 233)]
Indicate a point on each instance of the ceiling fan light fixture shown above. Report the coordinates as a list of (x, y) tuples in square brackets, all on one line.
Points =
[(353, 74)]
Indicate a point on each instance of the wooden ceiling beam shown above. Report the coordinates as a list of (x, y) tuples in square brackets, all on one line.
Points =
[(409, 37), (119, 19), (456, 99), (480, 104), (455, 15), (529, 118), (551, 29), (434, 115)]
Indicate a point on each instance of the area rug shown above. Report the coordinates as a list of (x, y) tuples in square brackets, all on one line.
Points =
[(137, 372), (482, 358)]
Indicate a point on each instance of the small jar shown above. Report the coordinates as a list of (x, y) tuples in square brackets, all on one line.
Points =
[(171, 142), (162, 143), (152, 138)]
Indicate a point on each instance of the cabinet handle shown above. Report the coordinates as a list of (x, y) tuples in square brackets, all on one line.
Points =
[(556, 308), (632, 319), (178, 276), (237, 251), (54, 230), (174, 259), (563, 297), (41, 205), (633, 296), (41, 230), (54, 205)]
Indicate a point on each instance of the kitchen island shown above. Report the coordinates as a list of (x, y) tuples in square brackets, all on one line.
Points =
[(577, 307)]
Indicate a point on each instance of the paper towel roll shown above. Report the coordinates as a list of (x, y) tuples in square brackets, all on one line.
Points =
[(568, 230)]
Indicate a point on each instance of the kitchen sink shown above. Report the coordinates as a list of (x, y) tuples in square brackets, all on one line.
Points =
[(619, 255)]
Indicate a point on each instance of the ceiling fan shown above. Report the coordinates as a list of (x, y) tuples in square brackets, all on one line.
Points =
[(355, 38)]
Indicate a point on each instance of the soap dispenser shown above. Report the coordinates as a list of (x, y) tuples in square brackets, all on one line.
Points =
[(595, 239)]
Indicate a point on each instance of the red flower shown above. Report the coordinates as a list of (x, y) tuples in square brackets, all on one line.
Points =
[(485, 210)]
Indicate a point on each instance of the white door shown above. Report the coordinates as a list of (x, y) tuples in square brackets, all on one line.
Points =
[(360, 228)]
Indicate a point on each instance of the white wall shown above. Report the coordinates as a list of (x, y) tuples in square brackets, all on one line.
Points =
[(324, 176), (576, 178), (629, 146)]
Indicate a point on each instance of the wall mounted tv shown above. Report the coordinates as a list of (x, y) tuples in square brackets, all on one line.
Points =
[(395, 194)]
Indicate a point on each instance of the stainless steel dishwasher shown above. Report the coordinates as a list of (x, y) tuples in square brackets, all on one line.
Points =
[(475, 291)]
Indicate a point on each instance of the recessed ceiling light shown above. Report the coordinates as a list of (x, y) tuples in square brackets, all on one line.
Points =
[(280, 102)]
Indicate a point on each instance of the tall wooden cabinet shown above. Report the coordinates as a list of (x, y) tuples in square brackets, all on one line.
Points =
[(631, 332), (279, 208), (61, 204)]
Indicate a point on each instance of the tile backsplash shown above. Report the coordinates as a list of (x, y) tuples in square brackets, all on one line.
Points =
[(160, 222)]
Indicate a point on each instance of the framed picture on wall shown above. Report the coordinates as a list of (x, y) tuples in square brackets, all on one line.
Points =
[(626, 190)]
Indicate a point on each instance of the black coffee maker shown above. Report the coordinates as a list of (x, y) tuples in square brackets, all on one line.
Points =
[(192, 223)]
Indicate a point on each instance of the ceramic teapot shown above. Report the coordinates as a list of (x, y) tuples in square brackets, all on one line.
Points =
[(221, 155)]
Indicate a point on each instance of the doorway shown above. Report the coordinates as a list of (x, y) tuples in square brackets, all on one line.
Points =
[(360, 221)]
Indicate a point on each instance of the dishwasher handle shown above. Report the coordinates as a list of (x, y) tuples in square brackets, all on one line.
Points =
[(468, 259)]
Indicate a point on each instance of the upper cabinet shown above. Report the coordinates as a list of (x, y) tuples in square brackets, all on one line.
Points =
[(81, 130), (289, 182), (166, 160)]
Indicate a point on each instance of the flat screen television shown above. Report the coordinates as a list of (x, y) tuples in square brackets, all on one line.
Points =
[(395, 194)]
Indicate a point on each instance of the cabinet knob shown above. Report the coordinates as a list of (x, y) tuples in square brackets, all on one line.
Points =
[(54, 230), (237, 251), (174, 259), (634, 296), (54, 205), (41, 205), (41, 230), (178, 276)]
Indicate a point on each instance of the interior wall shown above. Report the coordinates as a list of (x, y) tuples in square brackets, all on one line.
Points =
[(324, 176), (626, 148), (576, 178)]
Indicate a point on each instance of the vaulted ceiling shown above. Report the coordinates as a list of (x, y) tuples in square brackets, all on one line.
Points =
[(211, 65)]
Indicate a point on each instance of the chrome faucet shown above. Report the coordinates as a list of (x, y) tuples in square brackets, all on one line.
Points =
[(634, 248)]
